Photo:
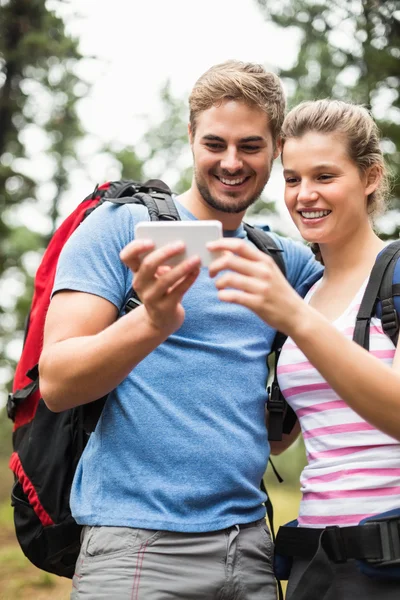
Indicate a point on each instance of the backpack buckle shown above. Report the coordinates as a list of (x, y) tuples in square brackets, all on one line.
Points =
[(275, 403), (333, 542), (389, 318), (11, 407), (389, 532), (132, 303), (276, 410)]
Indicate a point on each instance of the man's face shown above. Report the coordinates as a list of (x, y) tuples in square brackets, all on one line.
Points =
[(233, 154)]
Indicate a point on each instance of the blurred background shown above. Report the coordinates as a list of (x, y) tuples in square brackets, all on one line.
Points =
[(94, 91)]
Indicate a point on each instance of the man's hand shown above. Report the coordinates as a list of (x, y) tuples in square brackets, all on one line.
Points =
[(159, 287)]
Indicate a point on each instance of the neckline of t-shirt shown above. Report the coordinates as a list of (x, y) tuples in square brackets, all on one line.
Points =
[(356, 299), (185, 214)]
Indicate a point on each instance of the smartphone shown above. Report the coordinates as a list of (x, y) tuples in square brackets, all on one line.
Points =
[(194, 234)]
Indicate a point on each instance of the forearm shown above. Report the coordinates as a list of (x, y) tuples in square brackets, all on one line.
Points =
[(368, 386), (79, 370)]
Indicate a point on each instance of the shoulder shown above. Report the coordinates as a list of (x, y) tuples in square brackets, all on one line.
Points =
[(108, 224), (109, 215), (289, 246), (302, 269), (90, 262)]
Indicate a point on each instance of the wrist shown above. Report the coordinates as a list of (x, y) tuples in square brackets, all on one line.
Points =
[(153, 328), (304, 323)]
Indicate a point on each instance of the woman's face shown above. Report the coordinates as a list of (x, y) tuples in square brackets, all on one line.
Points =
[(325, 192)]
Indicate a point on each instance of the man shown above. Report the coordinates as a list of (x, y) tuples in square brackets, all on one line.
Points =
[(168, 485)]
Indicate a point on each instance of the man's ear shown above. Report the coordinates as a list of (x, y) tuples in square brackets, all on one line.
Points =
[(373, 178), (190, 133), (278, 147)]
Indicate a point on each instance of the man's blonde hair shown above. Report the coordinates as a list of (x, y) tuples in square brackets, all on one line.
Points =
[(246, 82)]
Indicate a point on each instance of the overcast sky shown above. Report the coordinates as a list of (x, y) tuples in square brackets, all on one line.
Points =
[(142, 44)]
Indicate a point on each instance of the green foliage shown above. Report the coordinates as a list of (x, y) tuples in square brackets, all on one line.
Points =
[(167, 140), (5, 440), (39, 91), (131, 164), (350, 50), (165, 151)]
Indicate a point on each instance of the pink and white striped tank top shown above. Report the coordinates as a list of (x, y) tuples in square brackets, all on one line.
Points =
[(353, 469)]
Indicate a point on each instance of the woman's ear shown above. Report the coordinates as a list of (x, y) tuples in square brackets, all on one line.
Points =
[(373, 178), (278, 147)]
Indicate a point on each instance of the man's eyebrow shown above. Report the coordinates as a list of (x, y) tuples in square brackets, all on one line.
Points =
[(252, 138), (212, 138), (215, 138)]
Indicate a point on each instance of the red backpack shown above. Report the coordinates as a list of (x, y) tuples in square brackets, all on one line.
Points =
[(47, 446)]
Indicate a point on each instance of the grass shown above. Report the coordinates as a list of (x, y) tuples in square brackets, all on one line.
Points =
[(19, 579)]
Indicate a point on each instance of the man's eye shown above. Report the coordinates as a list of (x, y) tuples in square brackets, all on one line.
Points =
[(214, 146), (248, 148)]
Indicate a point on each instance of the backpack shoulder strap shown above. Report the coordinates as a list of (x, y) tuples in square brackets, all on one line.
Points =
[(154, 194), (266, 243), (281, 417), (390, 288), (379, 287)]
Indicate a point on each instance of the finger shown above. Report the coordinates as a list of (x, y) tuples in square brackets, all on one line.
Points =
[(162, 270), (237, 246), (132, 254), (257, 268), (250, 285), (178, 291), (166, 282), (151, 262), (238, 297)]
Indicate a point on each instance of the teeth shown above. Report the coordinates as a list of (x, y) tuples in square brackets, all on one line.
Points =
[(232, 181), (315, 214)]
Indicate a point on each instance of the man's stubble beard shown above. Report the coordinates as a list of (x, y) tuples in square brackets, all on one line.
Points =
[(241, 205)]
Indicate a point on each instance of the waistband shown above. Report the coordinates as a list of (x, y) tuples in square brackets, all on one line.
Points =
[(376, 541)]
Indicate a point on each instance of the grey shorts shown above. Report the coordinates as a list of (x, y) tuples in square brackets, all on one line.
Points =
[(121, 563), (349, 583)]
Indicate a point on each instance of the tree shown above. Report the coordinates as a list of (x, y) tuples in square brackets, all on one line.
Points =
[(39, 128), (350, 50)]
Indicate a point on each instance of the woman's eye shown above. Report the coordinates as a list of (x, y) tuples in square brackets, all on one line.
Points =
[(290, 180), (325, 177)]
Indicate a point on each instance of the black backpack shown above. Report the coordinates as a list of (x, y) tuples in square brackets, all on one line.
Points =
[(47, 446)]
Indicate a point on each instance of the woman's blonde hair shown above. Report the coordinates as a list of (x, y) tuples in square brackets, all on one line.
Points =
[(246, 82), (354, 124)]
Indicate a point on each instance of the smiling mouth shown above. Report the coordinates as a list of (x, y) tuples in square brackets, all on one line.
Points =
[(233, 182), (314, 214)]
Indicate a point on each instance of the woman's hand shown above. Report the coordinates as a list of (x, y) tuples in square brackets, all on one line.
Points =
[(251, 278)]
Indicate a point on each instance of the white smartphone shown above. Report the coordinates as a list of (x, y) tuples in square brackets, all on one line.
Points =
[(194, 234)]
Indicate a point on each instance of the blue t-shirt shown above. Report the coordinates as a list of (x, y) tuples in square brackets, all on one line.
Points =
[(181, 443)]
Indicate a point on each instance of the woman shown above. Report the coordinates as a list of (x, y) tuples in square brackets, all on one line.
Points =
[(347, 399)]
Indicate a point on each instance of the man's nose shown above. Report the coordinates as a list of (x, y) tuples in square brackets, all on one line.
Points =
[(231, 161)]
